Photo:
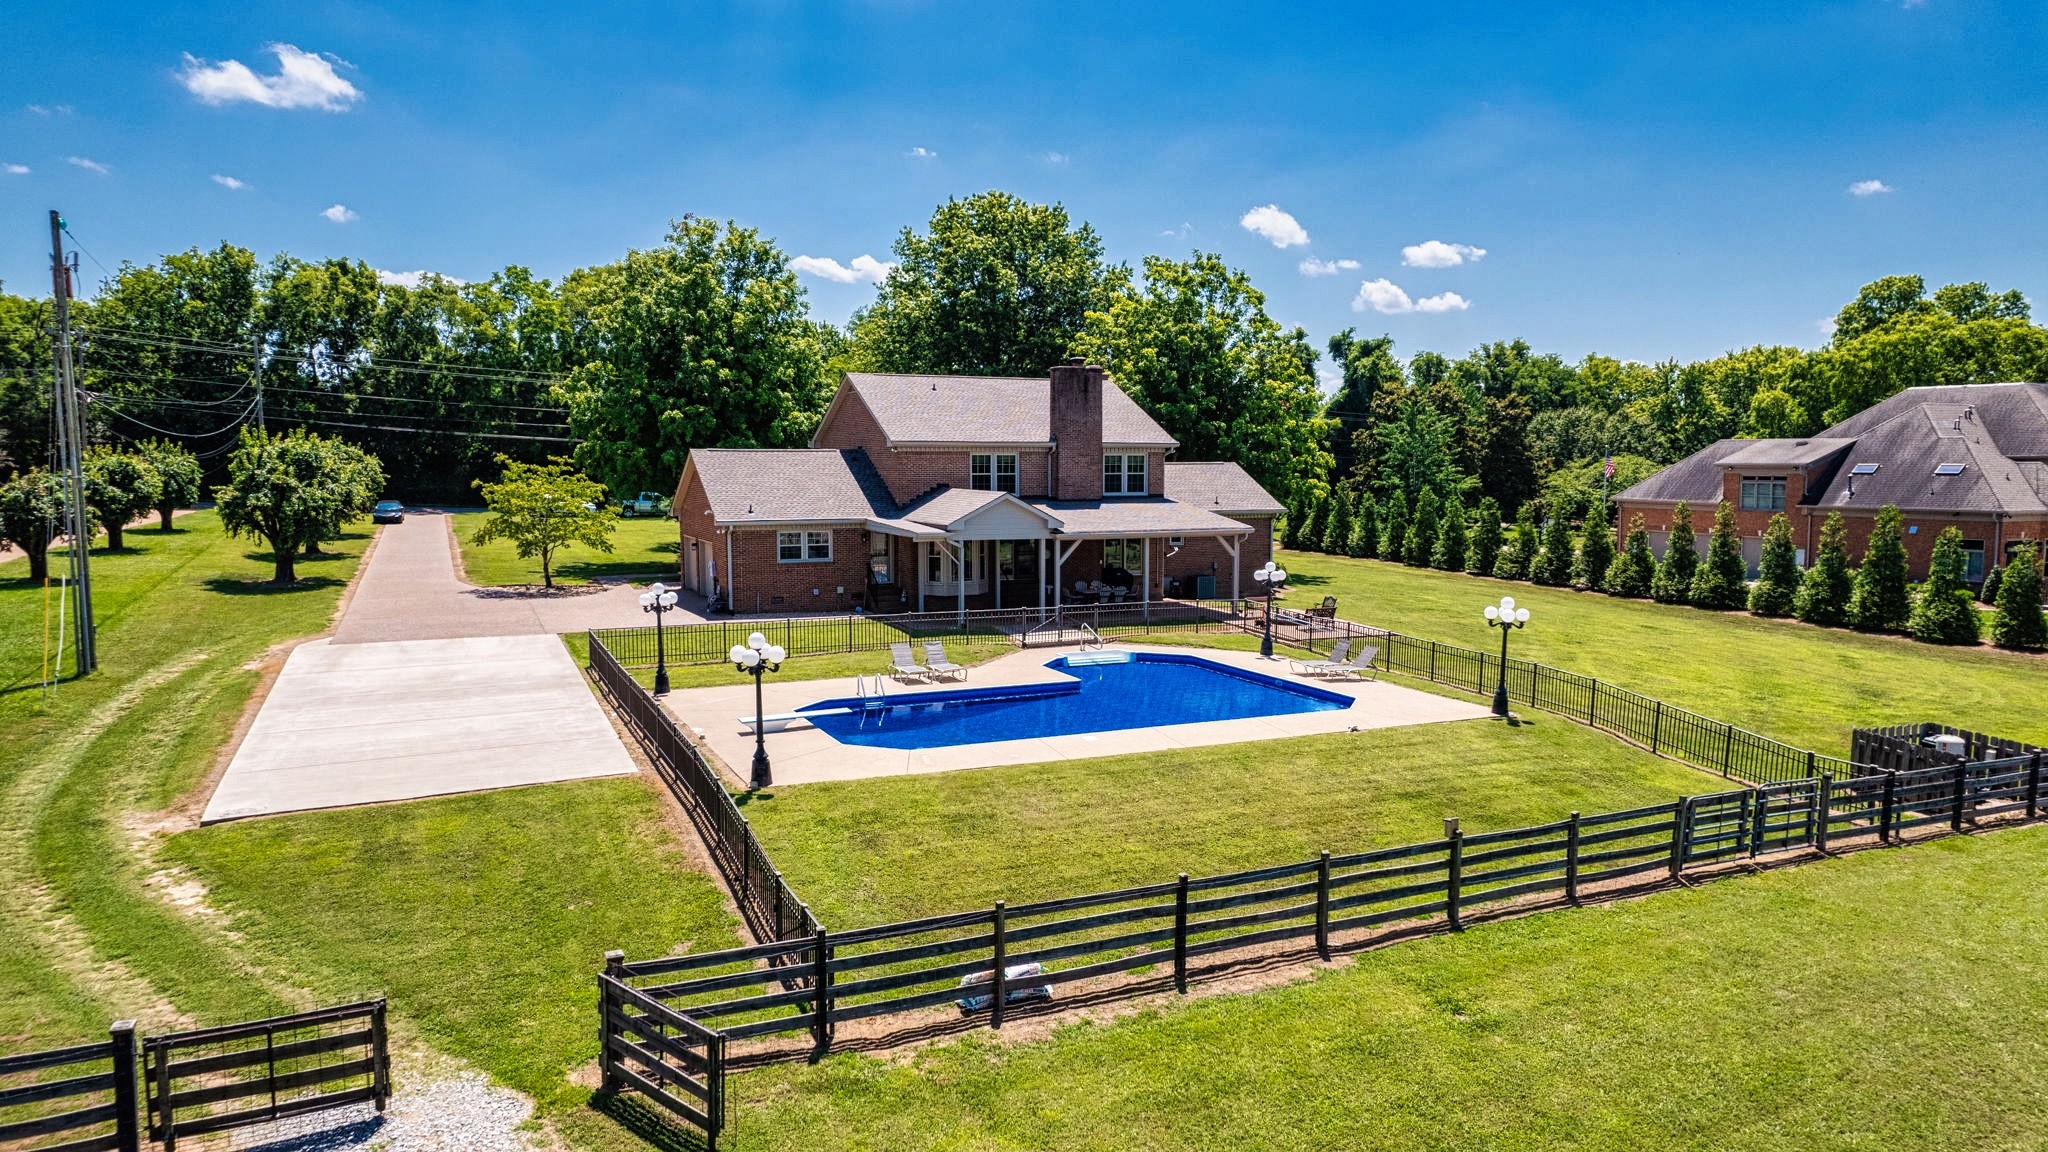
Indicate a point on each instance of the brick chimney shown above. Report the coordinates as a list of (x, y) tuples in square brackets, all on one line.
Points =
[(1077, 430)]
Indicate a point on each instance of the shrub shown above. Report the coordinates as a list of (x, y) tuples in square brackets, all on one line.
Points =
[(1365, 528), (1422, 533), (178, 474), (1988, 591), (1777, 582), (1824, 591), (1448, 553), (1337, 531), (2019, 623), (1553, 563), (1394, 527), (1312, 525), (1673, 584), (1633, 571), (1518, 552), (119, 486), (1879, 599), (31, 513), (1290, 529), (1719, 583), (1596, 554), (1485, 549), (1945, 612)]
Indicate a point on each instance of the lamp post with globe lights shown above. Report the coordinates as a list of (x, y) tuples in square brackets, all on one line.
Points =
[(658, 599), (757, 657), (1506, 617), (1272, 576)]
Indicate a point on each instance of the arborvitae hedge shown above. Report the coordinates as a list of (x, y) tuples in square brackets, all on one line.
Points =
[(1290, 530), (1673, 584), (1987, 592), (1518, 551), (1337, 532), (1824, 591), (2019, 623), (1880, 600), (1394, 527), (1945, 612), (1596, 554), (1314, 523), (1365, 528), (1719, 582), (1422, 533), (1448, 553), (1485, 549), (1553, 563), (1636, 568), (1777, 583)]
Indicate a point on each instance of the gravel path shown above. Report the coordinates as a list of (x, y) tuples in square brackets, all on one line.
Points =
[(460, 1114)]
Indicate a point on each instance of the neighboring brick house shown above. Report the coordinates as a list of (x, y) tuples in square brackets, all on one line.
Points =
[(1970, 455), (934, 492)]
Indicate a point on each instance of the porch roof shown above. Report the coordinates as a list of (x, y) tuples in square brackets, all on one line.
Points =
[(1153, 516)]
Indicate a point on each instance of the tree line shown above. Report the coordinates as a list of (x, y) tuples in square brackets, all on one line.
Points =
[(708, 340)]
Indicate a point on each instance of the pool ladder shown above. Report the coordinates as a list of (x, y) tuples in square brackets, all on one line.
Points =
[(877, 703)]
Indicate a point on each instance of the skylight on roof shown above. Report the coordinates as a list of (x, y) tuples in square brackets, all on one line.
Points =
[(1863, 470), (1948, 469)]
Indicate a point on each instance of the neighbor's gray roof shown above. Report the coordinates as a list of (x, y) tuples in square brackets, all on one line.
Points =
[(783, 485), (1219, 486), (1695, 479), (1784, 453), (1141, 517), (991, 410), (2014, 415)]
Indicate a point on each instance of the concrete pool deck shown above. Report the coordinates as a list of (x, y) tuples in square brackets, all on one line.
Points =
[(804, 755)]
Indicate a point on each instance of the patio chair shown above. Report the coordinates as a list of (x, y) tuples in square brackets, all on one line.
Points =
[(903, 665), (1360, 664), (1327, 610), (936, 663), (1338, 653)]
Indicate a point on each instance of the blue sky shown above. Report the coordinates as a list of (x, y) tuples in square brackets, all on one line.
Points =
[(1644, 181)]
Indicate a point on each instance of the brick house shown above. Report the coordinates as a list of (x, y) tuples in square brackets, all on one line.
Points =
[(933, 492), (1970, 455)]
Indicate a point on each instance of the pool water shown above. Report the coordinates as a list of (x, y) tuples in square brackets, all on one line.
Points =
[(1131, 690)]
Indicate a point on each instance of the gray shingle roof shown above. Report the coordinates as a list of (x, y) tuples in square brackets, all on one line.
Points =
[(1695, 479), (1908, 448), (1137, 517), (988, 410), (1219, 486), (1784, 453), (783, 485)]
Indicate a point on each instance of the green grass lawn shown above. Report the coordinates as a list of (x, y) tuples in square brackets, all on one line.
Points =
[(641, 547), (1887, 1000), (869, 851), (1806, 686)]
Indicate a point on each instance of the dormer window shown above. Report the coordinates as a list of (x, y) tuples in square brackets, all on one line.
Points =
[(1124, 475), (1763, 494), (993, 472)]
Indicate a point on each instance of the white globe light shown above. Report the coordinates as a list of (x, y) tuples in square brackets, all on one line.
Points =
[(1521, 615), (646, 598), (1507, 603), (1492, 613), (739, 655), (756, 641), (776, 654), (657, 588), (1280, 575), (668, 599)]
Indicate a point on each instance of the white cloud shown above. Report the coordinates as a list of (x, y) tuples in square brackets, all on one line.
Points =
[(50, 109), (1383, 295), (1277, 226), (1869, 188), (1437, 254), (864, 267), (228, 182), (922, 153), (1056, 159), (14, 169), (303, 80), (338, 213), (92, 166), (1181, 233), (1314, 267), (413, 279), (1826, 324)]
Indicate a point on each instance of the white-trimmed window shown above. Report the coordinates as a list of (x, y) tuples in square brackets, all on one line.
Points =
[(1763, 494), (803, 547), (942, 567), (1128, 555), (993, 472), (1124, 474)]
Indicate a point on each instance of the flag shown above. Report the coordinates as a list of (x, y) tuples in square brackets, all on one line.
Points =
[(1607, 471)]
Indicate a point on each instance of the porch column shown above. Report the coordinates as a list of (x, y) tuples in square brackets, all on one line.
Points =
[(960, 572), (997, 580), (1145, 580), (1042, 542), (917, 561), (1230, 545)]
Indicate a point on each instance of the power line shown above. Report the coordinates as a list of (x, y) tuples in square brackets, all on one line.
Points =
[(114, 407), (383, 363), (395, 428)]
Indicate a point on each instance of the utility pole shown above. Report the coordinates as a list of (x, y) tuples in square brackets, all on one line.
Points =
[(71, 433), (258, 361)]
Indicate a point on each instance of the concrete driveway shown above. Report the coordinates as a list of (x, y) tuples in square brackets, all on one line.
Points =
[(363, 723)]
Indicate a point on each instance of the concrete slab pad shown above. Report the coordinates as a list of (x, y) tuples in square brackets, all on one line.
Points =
[(366, 723)]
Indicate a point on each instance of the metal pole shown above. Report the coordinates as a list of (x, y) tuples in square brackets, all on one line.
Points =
[(661, 655), (761, 777), (71, 431), (1500, 690), (1266, 641)]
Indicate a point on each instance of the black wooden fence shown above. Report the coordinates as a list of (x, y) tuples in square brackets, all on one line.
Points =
[(194, 1082), (1168, 931), (1905, 747)]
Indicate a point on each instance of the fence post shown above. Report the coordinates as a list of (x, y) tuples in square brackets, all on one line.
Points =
[(127, 1122), (2034, 786), (1180, 935), (1681, 827), (1432, 661), (1656, 726), (1728, 752), (779, 887), (614, 967), (1760, 822), (997, 975), (714, 1083), (1823, 799), (1454, 869), (1323, 905), (1571, 859), (168, 1127), (1887, 814), (380, 1056), (1593, 706), (821, 989), (1962, 789)]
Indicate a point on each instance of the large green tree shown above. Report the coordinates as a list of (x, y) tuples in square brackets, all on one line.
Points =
[(1194, 347), (544, 508), (31, 514), (289, 489), (1825, 588), (1448, 553), (179, 477), (2019, 623), (994, 286), (1718, 583), (1880, 599), (24, 384), (1944, 612), (1778, 573), (1370, 376), (1486, 539), (119, 486), (1634, 572), (703, 342), (1673, 583)]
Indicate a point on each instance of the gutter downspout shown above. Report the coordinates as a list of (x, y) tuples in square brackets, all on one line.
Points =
[(730, 610)]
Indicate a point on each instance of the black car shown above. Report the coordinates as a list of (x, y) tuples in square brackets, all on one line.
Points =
[(387, 512)]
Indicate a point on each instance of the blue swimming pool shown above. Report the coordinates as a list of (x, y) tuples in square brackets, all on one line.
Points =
[(1109, 691)]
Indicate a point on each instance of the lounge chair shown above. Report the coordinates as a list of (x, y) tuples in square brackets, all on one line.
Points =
[(1339, 652), (936, 663), (904, 666), (1360, 664)]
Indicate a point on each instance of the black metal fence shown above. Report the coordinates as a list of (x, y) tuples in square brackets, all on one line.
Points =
[(995, 959), (194, 1082)]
